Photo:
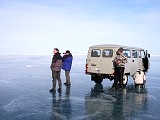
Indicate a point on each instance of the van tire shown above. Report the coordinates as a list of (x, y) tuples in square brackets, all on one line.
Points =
[(139, 86), (125, 80), (97, 78), (98, 81)]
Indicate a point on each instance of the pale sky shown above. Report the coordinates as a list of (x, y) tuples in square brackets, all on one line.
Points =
[(35, 27)]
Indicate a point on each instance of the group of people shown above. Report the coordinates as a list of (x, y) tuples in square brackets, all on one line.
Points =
[(65, 63), (58, 63)]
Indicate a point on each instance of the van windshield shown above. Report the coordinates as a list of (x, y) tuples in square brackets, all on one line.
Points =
[(95, 53)]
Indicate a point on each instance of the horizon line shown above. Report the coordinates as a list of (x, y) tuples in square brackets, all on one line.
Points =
[(50, 54)]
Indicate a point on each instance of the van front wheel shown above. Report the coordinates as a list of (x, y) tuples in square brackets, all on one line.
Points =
[(125, 80)]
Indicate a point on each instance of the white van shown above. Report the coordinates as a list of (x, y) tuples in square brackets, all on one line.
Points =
[(99, 62)]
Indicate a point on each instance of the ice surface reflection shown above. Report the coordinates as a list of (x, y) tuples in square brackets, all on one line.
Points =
[(61, 106), (119, 105)]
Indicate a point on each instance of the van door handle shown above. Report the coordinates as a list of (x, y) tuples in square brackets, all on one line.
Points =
[(132, 60)]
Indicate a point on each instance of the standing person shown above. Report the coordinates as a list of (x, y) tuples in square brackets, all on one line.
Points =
[(119, 64), (56, 66), (67, 64)]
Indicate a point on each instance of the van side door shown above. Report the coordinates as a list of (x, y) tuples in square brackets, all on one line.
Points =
[(106, 61), (127, 53), (93, 60), (141, 55), (134, 63)]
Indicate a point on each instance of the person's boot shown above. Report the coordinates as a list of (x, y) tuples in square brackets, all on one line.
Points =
[(52, 90), (59, 90), (65, 83)]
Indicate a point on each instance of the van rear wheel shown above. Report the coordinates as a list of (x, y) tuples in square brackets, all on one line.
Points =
[(97, 78)]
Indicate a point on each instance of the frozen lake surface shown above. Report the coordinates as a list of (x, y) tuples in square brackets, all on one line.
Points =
[(24, 93)]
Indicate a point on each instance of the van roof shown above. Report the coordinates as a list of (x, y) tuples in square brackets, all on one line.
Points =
[(114, 46)]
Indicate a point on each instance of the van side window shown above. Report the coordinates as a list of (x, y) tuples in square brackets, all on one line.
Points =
[(141, 53), (95, 53), (134, 54), (107, 53), (127, 53)]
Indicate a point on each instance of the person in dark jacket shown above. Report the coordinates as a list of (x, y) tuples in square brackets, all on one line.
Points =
[(56, 66), (67, 64)]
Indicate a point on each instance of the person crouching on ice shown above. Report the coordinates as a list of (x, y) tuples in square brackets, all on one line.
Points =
[(139, 78), (67, 64)]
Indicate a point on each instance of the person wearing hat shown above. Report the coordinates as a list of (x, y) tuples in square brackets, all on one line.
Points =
[(67, 64), (119, 64), (56, 66)]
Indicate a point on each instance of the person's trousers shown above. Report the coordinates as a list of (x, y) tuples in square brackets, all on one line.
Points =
[(119, 72), (55, 77), (67, 74)]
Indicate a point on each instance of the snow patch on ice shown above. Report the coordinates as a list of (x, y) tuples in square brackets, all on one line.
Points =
[(79, 63), (151, 117), (14, 104), (102, 98), (81, 117), (58, 116), (19, 103), (29, 66), (152, 97)]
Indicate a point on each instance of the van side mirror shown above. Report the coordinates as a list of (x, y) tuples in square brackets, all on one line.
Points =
[(149, 55)]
